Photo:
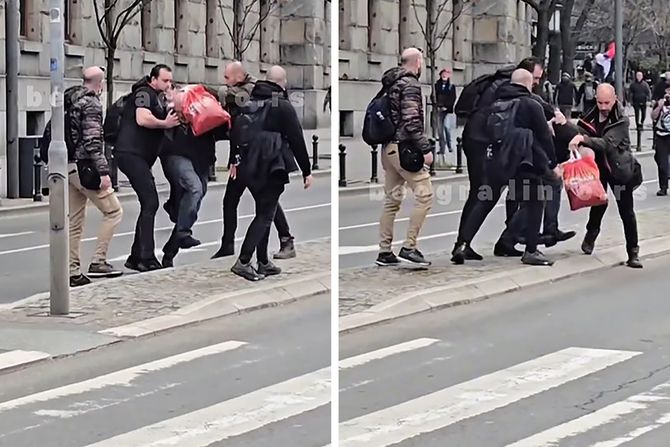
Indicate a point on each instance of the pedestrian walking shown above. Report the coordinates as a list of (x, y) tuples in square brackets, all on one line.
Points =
[(235, 94), (587, 93), (639, 94), (145, 117), (565, 95), (267, 139), (445, 93), (607, 134), (661, 116)]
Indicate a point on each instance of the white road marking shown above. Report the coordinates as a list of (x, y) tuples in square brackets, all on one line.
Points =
[(12, 359), (478, 396), (618, 413), (124, 377), (132, 233), (233, 417), (355, 249), (23, 233), (379, 354)]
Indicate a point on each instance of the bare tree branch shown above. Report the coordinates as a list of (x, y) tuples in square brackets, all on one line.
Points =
[(261, 18), (230, 31), (99, 21), (442, 35), (423, 30), (125, 16)]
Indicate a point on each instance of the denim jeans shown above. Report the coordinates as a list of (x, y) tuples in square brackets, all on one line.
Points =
[(445, 122)]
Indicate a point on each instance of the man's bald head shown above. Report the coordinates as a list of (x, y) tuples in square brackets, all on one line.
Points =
[(93, 78), (234, 73), (277, 75), (523, 77), (606, 98), (412, 60)]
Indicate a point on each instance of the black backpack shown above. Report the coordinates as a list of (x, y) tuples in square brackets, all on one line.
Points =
[(378, 127), (468, 102), (69, 142), (248, 123), (500, 119), (113, 118)]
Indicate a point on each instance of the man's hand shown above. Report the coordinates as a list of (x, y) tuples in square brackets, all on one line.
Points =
[(308, 181), (172, 120), (428, 158), (105, 183), (232, 169), (559, 118), (558, 170), (575, 142)]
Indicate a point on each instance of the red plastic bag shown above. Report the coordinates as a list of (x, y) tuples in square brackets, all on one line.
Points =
[(581, 179), (202, 110)]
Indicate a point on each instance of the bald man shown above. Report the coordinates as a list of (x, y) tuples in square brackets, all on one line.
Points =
[(237, 88), (606, 132), (405, 160), (266, 175), (89, 176), (528, 155)]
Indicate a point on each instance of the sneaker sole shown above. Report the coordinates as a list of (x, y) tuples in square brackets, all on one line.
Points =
[(104, 275), (386, 264), (408, 261)]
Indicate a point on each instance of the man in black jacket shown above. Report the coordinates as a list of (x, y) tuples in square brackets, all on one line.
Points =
[(445, 92), (527, 183), (266, 179), (639, 94), (608, 127), (565, 95)]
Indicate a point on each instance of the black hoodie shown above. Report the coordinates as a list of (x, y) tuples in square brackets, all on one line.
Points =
[(133, 138), (283, 119), (530, 115)]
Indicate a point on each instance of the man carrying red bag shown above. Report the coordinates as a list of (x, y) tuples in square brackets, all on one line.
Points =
[(607, 133)]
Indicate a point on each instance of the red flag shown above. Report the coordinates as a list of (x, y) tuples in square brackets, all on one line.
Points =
[(611, 50)]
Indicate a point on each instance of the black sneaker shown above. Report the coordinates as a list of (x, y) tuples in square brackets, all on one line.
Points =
[(188, 242), (286, 249), (471, 255), (79, 280), (458, 253), (562, 236), (225, 250), (145, 265), (589, 243), (504, 250), (387, 259), (168, 261), (634, 258), (246, 271), (662, 193), (103, 270), (268, 269), (537, 259), (413, 256)]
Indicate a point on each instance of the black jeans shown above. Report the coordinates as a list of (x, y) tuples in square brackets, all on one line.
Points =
[(231, 200), (552, 207), (626, 205), (662, 152), (640, 114), (138, 171), (190, 188), (530, 193), (258, 233)]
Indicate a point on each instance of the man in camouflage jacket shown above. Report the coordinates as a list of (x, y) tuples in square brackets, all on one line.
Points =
[(406, 99), (84, 112)]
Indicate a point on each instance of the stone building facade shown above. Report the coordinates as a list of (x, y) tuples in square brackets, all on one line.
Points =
[(189, 35), (373, 33)]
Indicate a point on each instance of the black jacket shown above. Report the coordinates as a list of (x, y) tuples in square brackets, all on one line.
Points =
[(639, 93), (659, 89), (445, 92), (530, 116), (565, 93)]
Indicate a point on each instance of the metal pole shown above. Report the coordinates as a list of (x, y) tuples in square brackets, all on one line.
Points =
[(343, 166), (618, 57), (374, 178), (58, 184), (37, 177), (12, 21), (431, 169), (459, 155), (315, 152)]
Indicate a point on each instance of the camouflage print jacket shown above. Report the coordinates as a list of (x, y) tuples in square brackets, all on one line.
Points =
[(406, 107), (85, 110), (234, 97)]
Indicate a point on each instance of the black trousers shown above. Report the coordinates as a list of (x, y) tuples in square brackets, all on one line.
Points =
[(258, 233), (640, 114), (530, 194), (231, 201), (626, 205), (552, 207), (138, 171), (662, 152)]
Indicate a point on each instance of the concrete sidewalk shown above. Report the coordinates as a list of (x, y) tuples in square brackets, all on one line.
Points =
[(372, 294), (136, 305)]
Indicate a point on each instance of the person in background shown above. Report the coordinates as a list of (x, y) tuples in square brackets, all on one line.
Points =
[(445, 93), (660, 87), (661, 116), (587, 93), (639, 94), (565, 95)]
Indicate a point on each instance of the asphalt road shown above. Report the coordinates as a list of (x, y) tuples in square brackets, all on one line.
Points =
[(580, 363), (24, 240), (359, 219), (254, 381)]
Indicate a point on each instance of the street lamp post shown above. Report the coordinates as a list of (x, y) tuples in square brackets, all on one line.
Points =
[(58, 184), (618, 56)]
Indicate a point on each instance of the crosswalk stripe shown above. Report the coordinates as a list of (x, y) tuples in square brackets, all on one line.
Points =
[(475, 397), (379, 354), (123, 378), (232, 417), (15, 358), (616, 413)]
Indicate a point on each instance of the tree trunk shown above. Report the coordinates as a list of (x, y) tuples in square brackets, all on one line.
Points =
[(554, 66), (567, 40), (109, 72), (238, 29), (540, 48), (432, 55)]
